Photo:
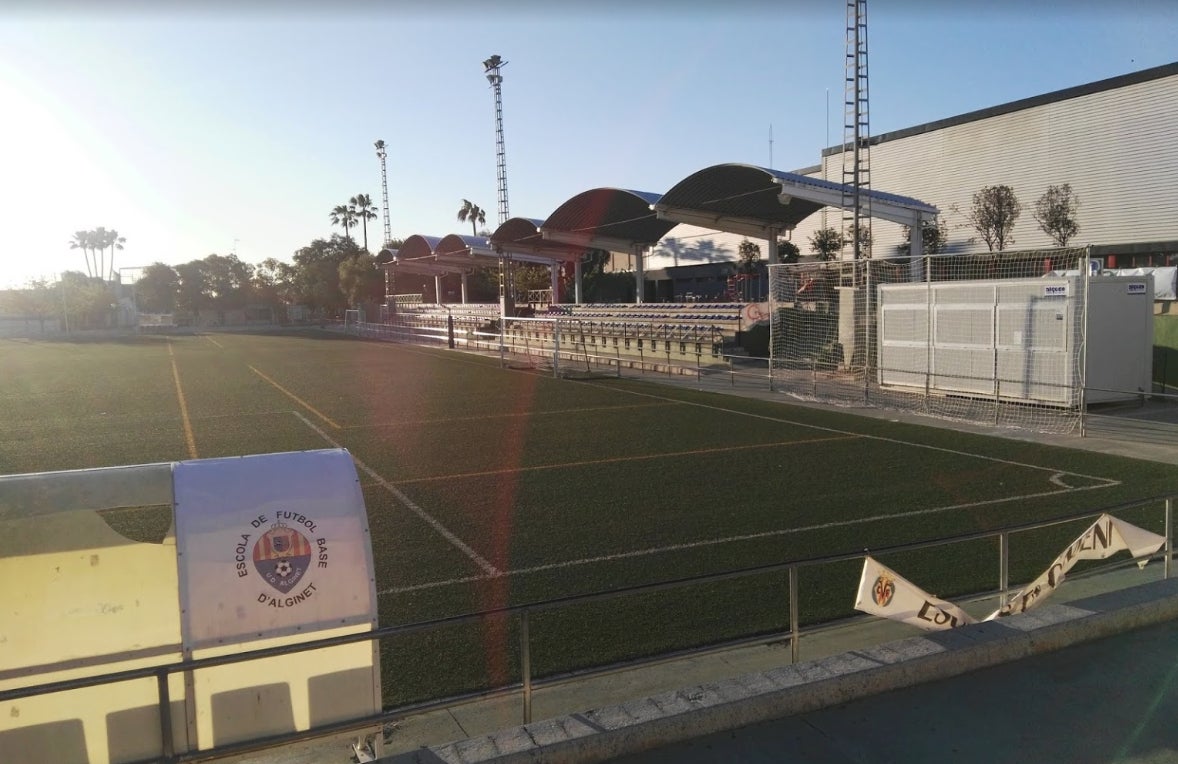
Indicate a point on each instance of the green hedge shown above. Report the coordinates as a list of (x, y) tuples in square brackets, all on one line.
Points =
[(1165, 352)]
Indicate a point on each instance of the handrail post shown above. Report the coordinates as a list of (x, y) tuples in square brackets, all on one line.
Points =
[(167, 738), (525, 651), (1003, 567), (794, 629), (1169, 536)]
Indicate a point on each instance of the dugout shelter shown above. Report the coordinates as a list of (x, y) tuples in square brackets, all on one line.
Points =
[(160, 565)]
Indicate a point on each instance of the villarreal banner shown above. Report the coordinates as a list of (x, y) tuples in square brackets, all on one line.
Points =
[(884, 593), (1102, 539), (271, 544)]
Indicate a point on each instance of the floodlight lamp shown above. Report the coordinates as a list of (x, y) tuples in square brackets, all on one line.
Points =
[(492, 62)]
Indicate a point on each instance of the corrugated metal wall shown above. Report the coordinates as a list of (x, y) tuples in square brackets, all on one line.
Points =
[(1118, 149)]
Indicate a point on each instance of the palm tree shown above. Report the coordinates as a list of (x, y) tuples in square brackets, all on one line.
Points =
[(114, 241), (81, 241), (99, 243), (472, 212), (342, 215), (362, 207)]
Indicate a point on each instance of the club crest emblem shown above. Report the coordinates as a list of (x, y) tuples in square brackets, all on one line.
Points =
[(883, 590), (281, 556)]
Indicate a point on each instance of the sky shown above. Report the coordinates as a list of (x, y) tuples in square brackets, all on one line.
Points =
[(235, 127)]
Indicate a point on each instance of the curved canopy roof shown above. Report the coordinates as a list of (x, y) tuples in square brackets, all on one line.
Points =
[(418, 254), (417, 246), (613, 219), (456, 245), (521, 239), (757, 201)]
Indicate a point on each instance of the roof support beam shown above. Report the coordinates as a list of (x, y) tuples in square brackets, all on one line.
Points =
[(744, 226), (593, 242), (880, 208)]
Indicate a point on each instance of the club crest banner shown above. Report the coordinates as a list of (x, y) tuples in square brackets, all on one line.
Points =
[(1102, 539), (885, 593), (271, 544)]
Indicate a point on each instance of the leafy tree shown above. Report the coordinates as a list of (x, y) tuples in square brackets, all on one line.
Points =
[(156, 289), (934, 238), (273, 282), (787, 251), (343, 216), (38, 301), (826, 243), (193, 292), (472, 212), (862, 232), (1056, 211), (749, 253), (89, 303), (364, 210), (316, 273), (228, 281), (361, 279), (993, 215)]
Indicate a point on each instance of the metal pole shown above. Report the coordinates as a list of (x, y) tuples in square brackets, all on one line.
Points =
[(867, 316), (1087, 264), (526, 665), (1169, 535), (556, 348), (994, 359), (503, 342), (794, 628), (167, 737), (928, 328), (1003, 567)]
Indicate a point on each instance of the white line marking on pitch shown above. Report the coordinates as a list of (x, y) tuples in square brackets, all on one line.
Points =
[(478, 559), (512, 415), (727, 540), (210, 339), (881, 438)]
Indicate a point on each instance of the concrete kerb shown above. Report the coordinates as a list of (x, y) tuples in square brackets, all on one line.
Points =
[(703, 709)]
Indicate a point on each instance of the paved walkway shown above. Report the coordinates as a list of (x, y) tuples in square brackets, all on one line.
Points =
[(1111, 700)]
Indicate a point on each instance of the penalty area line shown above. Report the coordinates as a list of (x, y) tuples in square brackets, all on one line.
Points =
[(866, 436), (650, 551), (297, 399), (624, 459), (409, 504)]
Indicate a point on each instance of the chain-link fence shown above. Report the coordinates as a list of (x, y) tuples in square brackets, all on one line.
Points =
[(1026, 339)]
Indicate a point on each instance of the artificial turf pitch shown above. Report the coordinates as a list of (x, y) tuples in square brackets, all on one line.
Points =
[(488, 487)]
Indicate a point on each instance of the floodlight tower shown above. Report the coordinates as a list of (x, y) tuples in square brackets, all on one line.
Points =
[(492, 68), (856, 135), (384, 188)]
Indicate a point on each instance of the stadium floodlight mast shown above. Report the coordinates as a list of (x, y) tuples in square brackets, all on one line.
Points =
[(492, 67), (384, 189)]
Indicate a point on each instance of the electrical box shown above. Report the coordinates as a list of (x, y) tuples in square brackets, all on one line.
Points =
[(1054, 340)]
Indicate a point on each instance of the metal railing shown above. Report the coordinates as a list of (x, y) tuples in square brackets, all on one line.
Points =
[(527, 682)]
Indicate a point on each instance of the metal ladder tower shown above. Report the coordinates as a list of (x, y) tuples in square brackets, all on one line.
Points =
[(384, 188), (492, 66), (856, 136)]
